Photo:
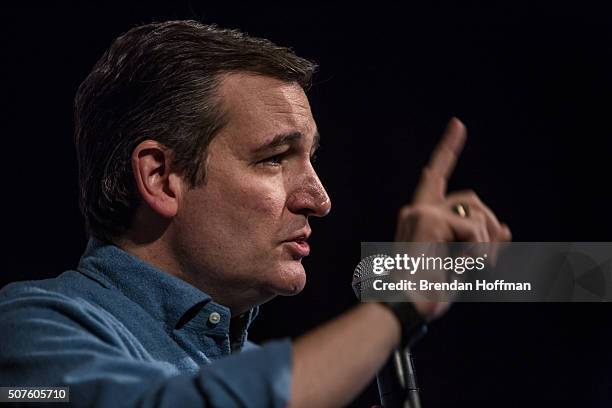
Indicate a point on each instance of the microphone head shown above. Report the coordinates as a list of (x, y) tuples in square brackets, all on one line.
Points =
[(367, 270)]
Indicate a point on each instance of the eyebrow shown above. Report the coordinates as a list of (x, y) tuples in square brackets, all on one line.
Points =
[(286, 139)]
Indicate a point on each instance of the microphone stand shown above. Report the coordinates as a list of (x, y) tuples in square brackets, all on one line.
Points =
[(397, 384)]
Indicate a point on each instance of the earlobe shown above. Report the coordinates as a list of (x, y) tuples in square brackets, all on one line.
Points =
[(156, 185)]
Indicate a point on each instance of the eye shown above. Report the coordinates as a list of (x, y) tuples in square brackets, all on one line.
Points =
[(273, 160)]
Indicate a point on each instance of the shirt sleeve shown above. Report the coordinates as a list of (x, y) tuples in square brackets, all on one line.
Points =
[(47, 339)]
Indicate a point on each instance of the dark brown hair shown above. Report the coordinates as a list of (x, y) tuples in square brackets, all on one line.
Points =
[(159, 81)]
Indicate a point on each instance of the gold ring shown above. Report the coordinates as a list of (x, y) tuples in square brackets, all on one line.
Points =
[(462, 210)]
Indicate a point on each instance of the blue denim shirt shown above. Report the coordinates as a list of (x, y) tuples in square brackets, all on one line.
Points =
[(120, 332)]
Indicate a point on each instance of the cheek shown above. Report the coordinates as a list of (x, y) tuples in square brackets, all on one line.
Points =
[(253, 206), (268, 205)]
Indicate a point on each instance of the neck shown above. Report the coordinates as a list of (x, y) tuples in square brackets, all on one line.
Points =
[(158, 253), (152, 240)]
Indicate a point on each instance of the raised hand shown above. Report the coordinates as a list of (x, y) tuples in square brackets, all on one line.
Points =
[(437, 216)]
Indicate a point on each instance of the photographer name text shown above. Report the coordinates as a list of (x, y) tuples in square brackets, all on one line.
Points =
[(455, 285)]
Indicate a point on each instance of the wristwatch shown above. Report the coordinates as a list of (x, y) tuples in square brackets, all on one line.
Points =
[(413, 325)]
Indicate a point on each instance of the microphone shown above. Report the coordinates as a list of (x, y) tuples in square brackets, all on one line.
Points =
[(397, 384)]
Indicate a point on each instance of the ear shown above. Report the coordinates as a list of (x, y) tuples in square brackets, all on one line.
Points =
[(158, 187)]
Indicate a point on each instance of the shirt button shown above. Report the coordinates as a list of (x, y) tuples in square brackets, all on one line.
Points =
[(214, 318)]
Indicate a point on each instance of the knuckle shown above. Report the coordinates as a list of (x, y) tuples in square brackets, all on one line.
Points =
[(419, 210), (467, 195), (480, 217), (471, 195), (429, 213), (422, 216)]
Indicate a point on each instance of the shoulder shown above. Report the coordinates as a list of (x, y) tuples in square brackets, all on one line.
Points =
[(70, 290), (53, 305), (68, 283)]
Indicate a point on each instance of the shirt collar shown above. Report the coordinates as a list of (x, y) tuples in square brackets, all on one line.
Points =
[(164, 296)]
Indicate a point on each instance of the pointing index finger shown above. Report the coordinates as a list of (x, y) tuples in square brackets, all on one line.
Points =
[(432, 186), (445, 156)]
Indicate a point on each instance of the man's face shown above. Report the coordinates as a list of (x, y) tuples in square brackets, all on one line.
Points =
[(244, 232)]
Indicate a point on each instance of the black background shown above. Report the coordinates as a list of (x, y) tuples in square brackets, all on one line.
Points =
[(531, 81)]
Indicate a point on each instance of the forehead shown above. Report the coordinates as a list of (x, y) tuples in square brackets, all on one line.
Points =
[(259, 107)]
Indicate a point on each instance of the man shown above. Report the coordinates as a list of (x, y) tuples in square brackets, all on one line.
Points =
[(195, 147)]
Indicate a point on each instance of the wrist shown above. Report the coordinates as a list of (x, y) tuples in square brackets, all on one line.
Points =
[(412, 323)]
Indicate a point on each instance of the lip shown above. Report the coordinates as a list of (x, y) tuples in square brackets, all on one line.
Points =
[(299, 247), (298, 244)]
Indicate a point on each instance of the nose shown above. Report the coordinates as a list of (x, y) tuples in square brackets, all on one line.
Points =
[(309, 197)]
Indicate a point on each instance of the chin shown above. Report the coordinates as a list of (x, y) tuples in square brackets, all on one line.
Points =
[(291, 279)]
